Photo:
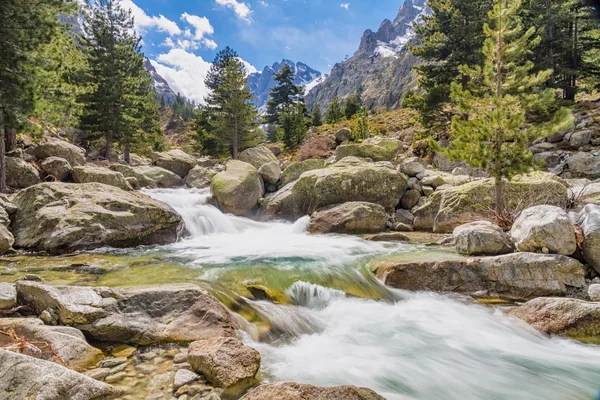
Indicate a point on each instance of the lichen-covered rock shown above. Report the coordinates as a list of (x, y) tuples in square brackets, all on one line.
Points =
[(343, 135), (594, 292), (589, 220), (25, 377), (350, 218), (413, 166), (557, 316), (518, 275), (136, 160), (437, 179), (544, 227), (294, 170), (164, 314), (270, 172), (57, 217), (474, 201), (377, 149), (348, 180), (225, 362), (59, 148), (176, 161), (163, 178), (20, 174), (588, 194), (8, 295), (57, 167), (584, 165), (410, 199), (238, 188), (302, 391), (7, 240), (264, 161), (89, 174), (199, 178), (130, 172), (481, 238)]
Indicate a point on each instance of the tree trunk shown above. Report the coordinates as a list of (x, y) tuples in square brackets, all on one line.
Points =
[(499, 196), (10, 139), (498, 173), (550, 31), (3, 187), (127, 150), (234, 144), (109, 145)]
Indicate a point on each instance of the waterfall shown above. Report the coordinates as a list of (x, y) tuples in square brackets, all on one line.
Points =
[(313, 296)]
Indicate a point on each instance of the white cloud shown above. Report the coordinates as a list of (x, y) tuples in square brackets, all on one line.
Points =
[(185, 72), (201, 25), (143, 21), (263, 3), (209, 44), (345, 5), (241, 9)]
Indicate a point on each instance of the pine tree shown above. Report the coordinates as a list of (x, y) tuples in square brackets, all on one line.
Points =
[(293, 125), (163, 103), (317, 117), (334, 113), (233, 117), (283, 96), (361, 130), (353, 106), (498, 99)]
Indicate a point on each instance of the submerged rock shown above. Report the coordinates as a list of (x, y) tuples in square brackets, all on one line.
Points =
[(350, 218), (176, 161), (544, 227), (481, 238), (59, 148), (302, 391), (238, 188), (57, 217), (90, 174)]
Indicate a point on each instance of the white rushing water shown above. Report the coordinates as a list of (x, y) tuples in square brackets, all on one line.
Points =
[(419, 347)]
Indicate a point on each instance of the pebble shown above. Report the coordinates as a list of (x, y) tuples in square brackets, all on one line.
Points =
[(118, 368), (112, 362), (180, 357), (115, 378), (151, 355), (123, 351), (145, 369), (176, 367), (183, 377), (192, 390), (98, 374)]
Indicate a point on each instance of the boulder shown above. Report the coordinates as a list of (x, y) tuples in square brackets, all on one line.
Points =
[(175, 161), (589, 194), (59, 148), (558, 316), (89, 174), (481, 238), (65, 342), (302, 391), (544, 229), (164, 314), (589, 220), (238, 188), (163, 178), (584, 165), (57, 167), (136, 160), (377, 149), (8, 295), (57, 217), (270, 172), (548, 159), (410, 199), (264, 161), (350, 218), (275, 148), (25, 377), (7, 240), (594, 292), (518, 275), (580, 138), (143, 180), (404, 217), (437, 179), (225, 362), (474, 201), (348, 180), (20, 174), (343, 135), (199, 178), (295, 170), (413, 166)]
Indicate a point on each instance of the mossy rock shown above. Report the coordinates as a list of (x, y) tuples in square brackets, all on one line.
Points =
[(377, 149), (295, 170), (238, 188)]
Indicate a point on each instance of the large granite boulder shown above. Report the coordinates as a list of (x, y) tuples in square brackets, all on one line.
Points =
[(350, 218), (558, 316), (176, 161), (296, 169), (413, 166), (89, 174), (518, 275), (163, 178), (376, 148), (20, 174), (589, 194), (199, 178), (8, 295), (584, 165), (481, 238), (589, 220), (436, 179), (7, 240), (142, 179), (264, 161), (225, 362), (348, 180), (25, 377), (58, 217), (59, 148), (57, 167), (302, 391), (238, 188), (164, 314), (474, 201), (544, 228), (343, 135)]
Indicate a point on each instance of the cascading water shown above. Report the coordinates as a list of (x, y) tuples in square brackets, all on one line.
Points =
[(412, 346)]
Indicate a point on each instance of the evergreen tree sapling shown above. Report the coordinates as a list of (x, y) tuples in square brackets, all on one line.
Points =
[(317, 117), (294, 126), (361, 130), (334, 113), (353, 106), (498, 99)]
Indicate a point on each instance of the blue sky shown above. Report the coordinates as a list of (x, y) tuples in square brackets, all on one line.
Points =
[(183, 36)]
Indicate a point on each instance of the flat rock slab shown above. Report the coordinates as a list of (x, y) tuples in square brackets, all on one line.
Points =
[(301, 391)]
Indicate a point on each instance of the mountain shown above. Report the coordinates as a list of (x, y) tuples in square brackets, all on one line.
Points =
[(160, 85), (382, 67), (261, 83)]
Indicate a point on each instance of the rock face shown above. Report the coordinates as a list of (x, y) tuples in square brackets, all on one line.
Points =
[(20, 174), (166, 314), (199, 178), (163, 178), (557, 316), (59, 148), (348, 180), (377, 149), (175, 161), (264, 161), (294, 170), (519, 275), (7, 239), (589, 220), (89, 174), (57, 217), (226, 362), (481, 238), (351, 218), (25, 377), (130, 172), (544, 227), (447, 209), (68, 343), (57, 167), (301, 391), (238, 188)]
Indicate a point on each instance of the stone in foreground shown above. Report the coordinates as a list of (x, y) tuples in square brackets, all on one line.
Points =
[(481, 238), (544, 227), (589, 220), (56, 217), (89, 174), (176, 161), (225, 362), (349, 218), (20, 174), (302, 391), (25, 377), (8, 295), (238, 188), (59, 148)]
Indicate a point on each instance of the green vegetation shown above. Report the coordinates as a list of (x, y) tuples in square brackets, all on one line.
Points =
[(293, 125), (334, 113), (283, 96), (317, 117), (361, 130), (353, 106)]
